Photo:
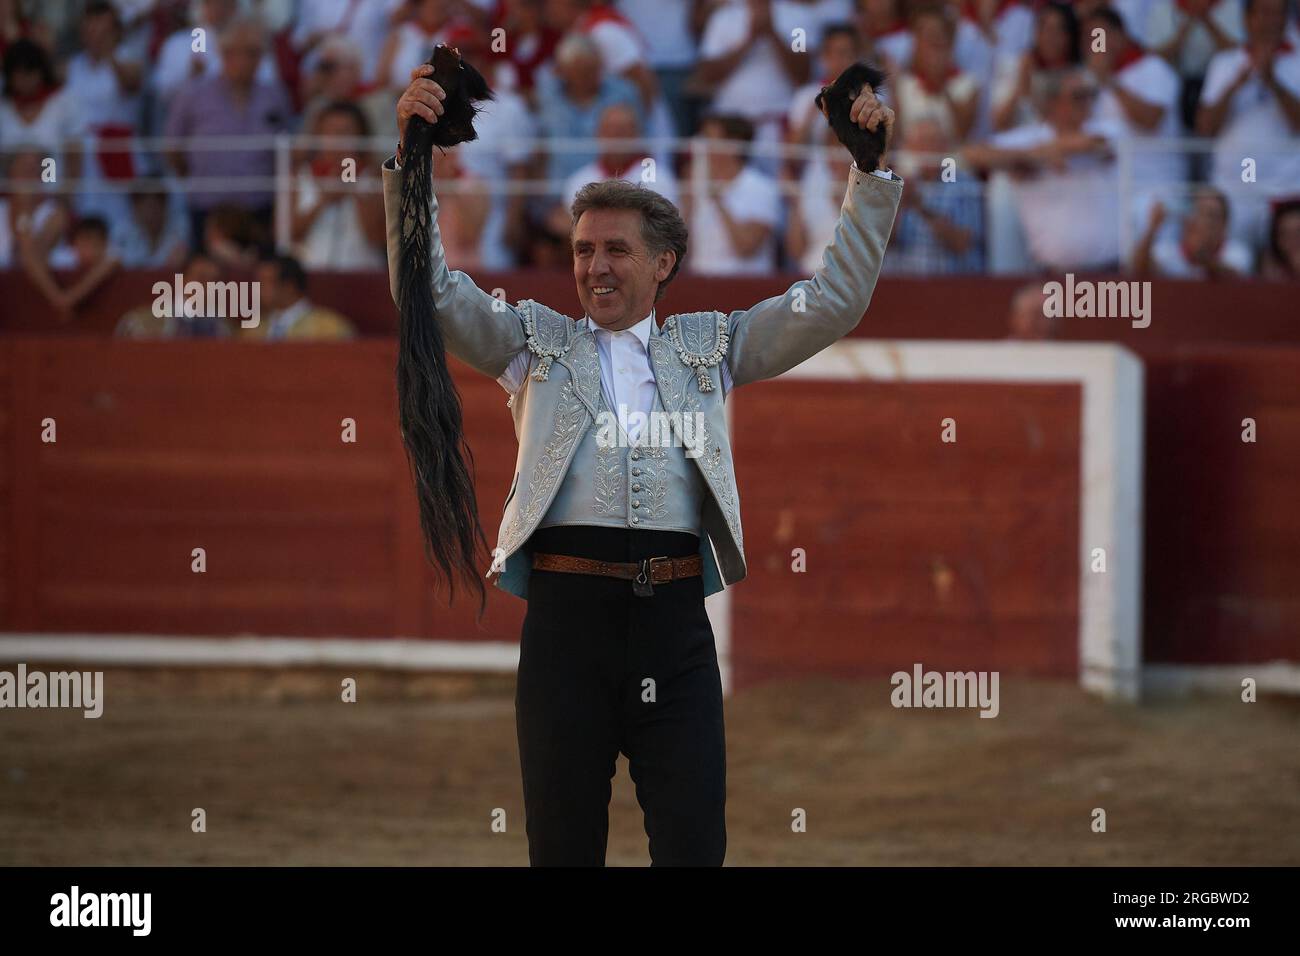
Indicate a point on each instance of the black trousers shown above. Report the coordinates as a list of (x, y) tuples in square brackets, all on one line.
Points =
[(602, 671)]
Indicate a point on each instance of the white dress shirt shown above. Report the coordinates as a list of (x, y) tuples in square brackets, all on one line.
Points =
[(626, 377)]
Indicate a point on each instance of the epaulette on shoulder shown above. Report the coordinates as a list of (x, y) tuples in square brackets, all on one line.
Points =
[(701, 341), (547, 333)]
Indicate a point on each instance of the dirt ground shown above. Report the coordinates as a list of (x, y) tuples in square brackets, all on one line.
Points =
[(411, 774)]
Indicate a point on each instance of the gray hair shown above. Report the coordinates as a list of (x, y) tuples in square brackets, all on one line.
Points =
[(344, 48), (662, 226), (575, 46)]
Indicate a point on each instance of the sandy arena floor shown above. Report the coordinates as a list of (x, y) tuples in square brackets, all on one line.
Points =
[(411, 775)]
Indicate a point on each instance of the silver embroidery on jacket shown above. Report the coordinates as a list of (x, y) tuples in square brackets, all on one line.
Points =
[(570, 416), (654, 482), (607, 483), (700, 344), (711, 462), (548, 339)]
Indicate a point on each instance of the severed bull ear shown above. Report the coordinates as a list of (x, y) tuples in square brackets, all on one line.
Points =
[(429, 407), (836, 100), (465, 86)]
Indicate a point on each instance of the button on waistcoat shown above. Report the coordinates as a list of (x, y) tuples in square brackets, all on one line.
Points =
[(612, 483)]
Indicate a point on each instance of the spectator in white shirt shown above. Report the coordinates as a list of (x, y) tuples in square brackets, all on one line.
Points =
[(1063, 173), (1055, 47), (155, 234), (734, 217), (973, 51), (1188, 33), (178, 60), (1251, 104), (105, 85), (840, 48), (31, 224), (815, 204), (1139, 98), (337, 223), (1202, 250), (934, 88), (1136, 14), (1007, 25), (502, 155), (747, 60), (884, 30), (35, 112), (366, 23), (669, 29), (573, 96), (624, 53), (617, 159), (423, 26)]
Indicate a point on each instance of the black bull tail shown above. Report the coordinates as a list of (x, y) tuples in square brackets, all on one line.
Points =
[(429, 407)]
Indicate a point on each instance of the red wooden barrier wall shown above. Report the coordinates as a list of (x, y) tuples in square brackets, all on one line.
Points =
[(938, 308), (1222, 516), (235, 447), (958, 555), (966, 553)]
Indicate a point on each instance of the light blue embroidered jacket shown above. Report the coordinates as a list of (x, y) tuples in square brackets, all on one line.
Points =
[(559, 402)]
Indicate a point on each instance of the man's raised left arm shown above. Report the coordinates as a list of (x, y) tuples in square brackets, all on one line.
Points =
[(778, 333)]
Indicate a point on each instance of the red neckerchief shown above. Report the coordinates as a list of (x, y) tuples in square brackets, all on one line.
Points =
[(952, 73), (970, 13), (894, 27), (600, 14), (1132, 53), (525, 67), (1283, 47), (36, 98)]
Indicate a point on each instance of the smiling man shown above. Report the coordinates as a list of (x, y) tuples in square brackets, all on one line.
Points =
[(615, 544)]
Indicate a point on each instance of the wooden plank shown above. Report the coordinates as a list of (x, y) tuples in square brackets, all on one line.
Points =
[(958, 555)]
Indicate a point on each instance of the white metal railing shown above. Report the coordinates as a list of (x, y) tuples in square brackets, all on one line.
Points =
[(285, 152)]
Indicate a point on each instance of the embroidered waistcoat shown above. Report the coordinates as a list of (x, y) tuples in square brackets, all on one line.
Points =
[(569, 472)]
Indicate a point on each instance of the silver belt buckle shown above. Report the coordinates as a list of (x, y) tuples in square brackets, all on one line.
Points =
[(643, 583)]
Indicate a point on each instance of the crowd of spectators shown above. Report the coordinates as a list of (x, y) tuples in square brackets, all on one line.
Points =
[(1156, 136)]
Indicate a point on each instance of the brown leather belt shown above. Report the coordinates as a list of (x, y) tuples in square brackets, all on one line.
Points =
[(643, 574)]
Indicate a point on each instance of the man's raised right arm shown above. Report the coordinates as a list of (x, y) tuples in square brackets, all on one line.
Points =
[(482, 331)]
